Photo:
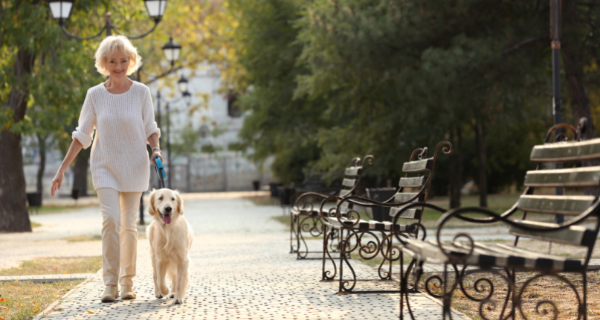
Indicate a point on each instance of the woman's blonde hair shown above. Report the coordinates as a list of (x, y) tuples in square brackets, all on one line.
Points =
[(110, 45)]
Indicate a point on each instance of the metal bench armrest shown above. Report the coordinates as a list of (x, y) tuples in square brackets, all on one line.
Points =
[(301, 204)]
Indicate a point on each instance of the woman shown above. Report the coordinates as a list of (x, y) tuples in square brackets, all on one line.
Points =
[(122, 113)]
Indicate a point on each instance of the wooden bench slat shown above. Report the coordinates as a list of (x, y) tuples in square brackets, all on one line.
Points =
[(344, 192), (574, 177), (408, 214), (405, 196), (575, 235), (353, 171), (345, 205), (418, 166), (566, 151), (349, 182), (568, 205), (413, 182)]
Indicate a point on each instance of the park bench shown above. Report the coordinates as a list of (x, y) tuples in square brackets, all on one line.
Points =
[(372, 238), (504, 261), (305, 216)]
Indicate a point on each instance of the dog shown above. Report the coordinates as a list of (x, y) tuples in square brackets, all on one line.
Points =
[(170, 238)]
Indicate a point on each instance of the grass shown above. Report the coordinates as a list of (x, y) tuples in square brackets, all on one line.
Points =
[(55, 209), (263, 200), (35, 224), (41, 266), (84, 237), (23, 300)]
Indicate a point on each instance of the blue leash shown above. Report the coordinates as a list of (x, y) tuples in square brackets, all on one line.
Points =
[(160, 171)]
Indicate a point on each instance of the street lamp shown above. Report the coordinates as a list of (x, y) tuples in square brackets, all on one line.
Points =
[(156, 8), (187, 97), (556, 99), (183, 84), (172, 50), (61, 10)]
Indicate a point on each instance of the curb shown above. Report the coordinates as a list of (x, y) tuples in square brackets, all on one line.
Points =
[(54, 304)]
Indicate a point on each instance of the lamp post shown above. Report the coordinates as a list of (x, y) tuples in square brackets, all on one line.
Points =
[(171, 51), (61, 10), (556, 101), (186, 95)]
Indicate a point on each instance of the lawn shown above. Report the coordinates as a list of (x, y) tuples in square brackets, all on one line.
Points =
[(41, 266), (55, 209), (22, 300)]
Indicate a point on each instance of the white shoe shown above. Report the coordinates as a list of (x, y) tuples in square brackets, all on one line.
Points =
[(110, 294), (127, 293)]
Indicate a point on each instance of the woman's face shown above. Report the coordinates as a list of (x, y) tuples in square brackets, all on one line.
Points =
[(117, 64)]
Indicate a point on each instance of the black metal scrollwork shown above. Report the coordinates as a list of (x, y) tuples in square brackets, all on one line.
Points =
[(551, 304)]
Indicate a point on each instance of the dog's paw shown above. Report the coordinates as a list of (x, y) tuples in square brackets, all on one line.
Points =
[(178, 301), (172, 295), (164, 290), (158, 295)]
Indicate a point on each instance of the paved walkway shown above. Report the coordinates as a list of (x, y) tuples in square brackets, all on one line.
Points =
[(240, 270)]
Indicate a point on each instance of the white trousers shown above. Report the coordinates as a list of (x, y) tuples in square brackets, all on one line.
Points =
[(119, 235)]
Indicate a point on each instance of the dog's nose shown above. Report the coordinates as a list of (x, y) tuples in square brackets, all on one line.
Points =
[(168, 209)]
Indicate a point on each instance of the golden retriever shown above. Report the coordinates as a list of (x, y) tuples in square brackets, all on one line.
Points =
[(170, 238)]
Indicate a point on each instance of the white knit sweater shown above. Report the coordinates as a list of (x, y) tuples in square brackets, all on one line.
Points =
[(123, 124)]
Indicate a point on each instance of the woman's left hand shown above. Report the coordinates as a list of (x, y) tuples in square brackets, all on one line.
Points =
[(156, 154)]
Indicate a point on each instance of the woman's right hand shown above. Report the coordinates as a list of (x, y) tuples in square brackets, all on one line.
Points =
[(57, 182)]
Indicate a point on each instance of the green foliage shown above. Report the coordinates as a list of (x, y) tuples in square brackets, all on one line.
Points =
[(267, 52), (236, 146), (209, 148), (186, 141), (328, 81)]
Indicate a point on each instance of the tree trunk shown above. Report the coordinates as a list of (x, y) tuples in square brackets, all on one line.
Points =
[(480, 145), (580, 103), (13, 201), (573, 52), (456, 169), (80, 173), (42, 167)]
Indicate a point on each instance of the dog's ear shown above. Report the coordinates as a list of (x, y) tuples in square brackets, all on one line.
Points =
[(179, 203), (151, 207)]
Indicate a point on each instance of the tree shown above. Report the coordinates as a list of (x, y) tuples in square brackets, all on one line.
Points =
[(385, 77), (59, 86), (26, 35), (266, 54)]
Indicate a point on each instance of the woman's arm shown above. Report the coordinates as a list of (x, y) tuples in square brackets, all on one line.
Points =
[(153, 142), (74, 149)]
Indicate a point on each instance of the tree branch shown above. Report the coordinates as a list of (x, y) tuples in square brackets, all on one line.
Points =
[(522, 43)]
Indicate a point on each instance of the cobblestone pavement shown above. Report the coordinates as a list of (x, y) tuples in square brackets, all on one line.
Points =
[(241, 270)]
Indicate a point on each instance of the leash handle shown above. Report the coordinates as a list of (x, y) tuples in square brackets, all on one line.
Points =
[(160, 171)]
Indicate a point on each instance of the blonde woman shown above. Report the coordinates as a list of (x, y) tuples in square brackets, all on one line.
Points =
[(122, 113)]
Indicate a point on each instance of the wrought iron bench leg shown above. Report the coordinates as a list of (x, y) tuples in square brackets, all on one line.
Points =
[(404, 291), (345, 250), (342, 249), (583, 309), (292, 231), (298, 236), (388, 257), (325, 275)]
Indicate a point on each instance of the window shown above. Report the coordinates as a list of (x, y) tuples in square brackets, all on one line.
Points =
[(233, 109)]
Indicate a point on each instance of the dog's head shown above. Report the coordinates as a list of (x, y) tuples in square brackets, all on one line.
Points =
[(167, 203)]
